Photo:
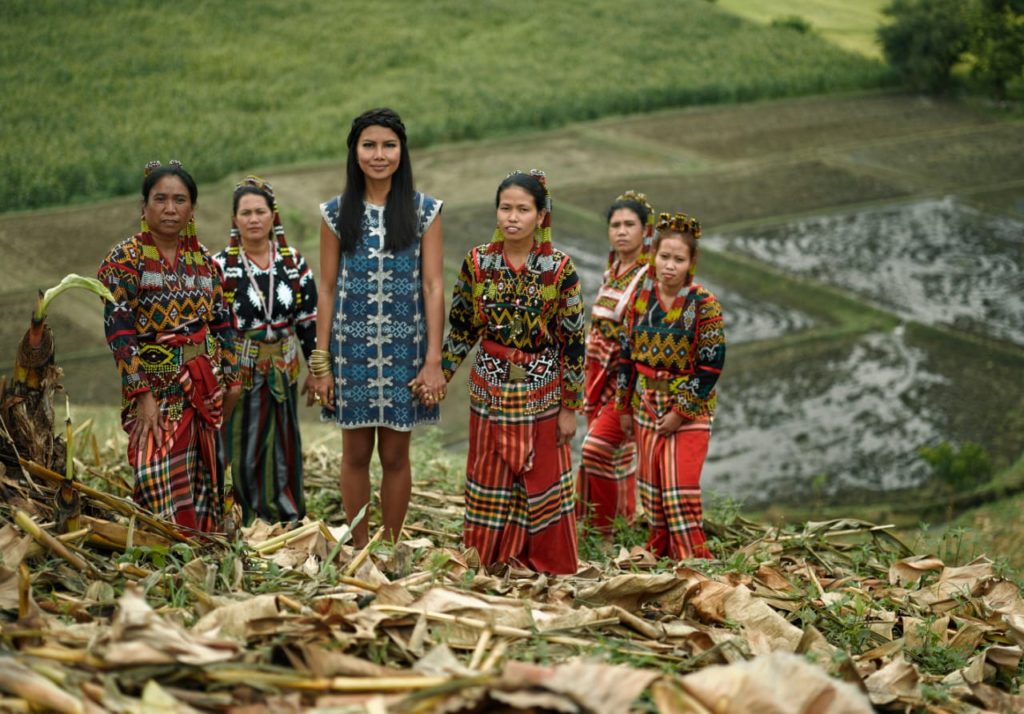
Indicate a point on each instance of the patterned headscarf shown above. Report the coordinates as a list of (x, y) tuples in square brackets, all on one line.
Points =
[(232, 265), (645, 249), (669, 223)]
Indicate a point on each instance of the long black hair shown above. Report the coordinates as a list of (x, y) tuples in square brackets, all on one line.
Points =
[(400, 222)]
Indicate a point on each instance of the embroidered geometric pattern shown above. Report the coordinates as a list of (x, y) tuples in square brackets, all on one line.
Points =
[(533, 309), (683, 357), (379, 331), (293, 315), (153, 298)]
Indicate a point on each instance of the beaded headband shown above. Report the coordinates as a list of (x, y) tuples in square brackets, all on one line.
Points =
[(678, 223), (152, 166), (258, 183)]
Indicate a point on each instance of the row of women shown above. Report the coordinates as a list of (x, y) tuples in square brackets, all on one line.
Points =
[(208, 352)]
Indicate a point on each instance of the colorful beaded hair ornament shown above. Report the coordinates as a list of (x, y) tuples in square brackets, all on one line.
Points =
[(150, 167), (670, 223), (234, 239), (682, 224), (543, 232), (645, 249)]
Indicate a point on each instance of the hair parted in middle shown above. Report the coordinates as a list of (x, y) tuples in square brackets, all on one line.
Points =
[(400, 223), (637, 203)]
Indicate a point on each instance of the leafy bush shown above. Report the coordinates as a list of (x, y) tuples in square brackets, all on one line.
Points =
[(924, 41), (928, 38), (793, 22), (961, 469), (996, 43)]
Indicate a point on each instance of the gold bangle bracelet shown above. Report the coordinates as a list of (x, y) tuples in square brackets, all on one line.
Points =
[(319, 363)]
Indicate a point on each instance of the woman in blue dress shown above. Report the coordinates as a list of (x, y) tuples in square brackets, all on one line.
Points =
[(377, 367)]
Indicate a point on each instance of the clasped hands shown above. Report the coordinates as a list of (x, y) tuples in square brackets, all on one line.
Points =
[(429, 386)]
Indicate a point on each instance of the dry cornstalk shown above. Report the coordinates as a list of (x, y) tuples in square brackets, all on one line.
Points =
[(46, 540), (38, 691), (272, 545), (108, 533), (363, 554), (495, 656), (480, 649), (324, 684), (36, 549), (114, 503), (428, 531), (64, 655)]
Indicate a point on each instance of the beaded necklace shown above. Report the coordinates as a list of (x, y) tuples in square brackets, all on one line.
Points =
[(266, 301)]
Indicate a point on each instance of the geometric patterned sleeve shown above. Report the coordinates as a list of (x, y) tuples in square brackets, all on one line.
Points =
[(709, 356), (572, 336), (625, 378), (305, 316), (120, 272), (223, 326), (464, 326)]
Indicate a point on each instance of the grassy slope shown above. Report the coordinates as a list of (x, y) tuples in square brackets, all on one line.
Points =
[(850, 24), (94, 89)]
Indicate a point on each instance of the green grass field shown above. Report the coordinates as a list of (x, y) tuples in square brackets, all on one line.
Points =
[(94, 89), (850, 24)]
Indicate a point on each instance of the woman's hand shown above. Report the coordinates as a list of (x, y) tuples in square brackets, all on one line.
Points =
[(320, 390), (231, 397), (668, 423), (147, 421), (429, 386), (566, 426)]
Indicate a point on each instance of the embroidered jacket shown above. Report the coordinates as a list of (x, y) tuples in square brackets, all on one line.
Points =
[(683, 358), (521, 310), (154, 300), (292, 310)]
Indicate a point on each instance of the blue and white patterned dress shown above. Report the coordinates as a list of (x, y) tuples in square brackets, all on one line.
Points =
[(379, 330)]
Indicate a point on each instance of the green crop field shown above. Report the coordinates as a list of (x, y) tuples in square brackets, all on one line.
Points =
[(850, 24), (94, 89)]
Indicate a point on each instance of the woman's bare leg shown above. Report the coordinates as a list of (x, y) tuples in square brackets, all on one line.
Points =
[(356, 451), (396, 484)]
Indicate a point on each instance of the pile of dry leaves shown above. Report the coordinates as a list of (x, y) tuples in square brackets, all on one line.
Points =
[(103, 608)]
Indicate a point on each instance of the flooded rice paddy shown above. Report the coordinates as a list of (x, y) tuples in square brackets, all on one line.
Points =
[(937, 262), (800, 418)]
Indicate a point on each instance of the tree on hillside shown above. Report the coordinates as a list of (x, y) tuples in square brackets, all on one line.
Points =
[(925, 40), (997, 43)]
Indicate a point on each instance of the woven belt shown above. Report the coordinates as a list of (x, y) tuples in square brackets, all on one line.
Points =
[(157, 357), (269, 350), (659, 385)]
